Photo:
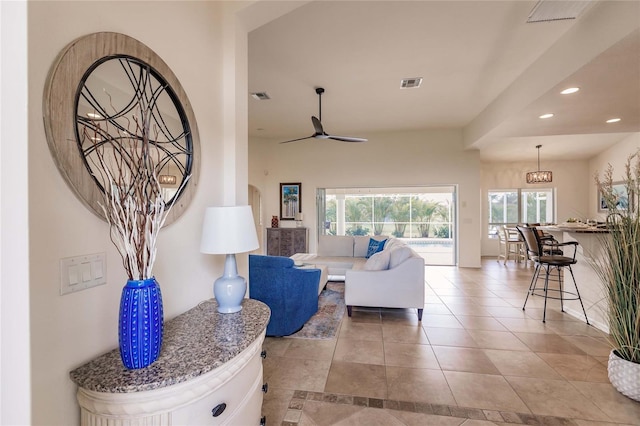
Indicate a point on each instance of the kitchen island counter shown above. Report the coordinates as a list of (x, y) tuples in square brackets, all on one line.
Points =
[(589, 250)]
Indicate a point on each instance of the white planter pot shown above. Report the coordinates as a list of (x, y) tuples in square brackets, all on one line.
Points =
[(624, 376)]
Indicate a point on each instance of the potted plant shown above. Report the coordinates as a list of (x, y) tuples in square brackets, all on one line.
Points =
[(619, 270)]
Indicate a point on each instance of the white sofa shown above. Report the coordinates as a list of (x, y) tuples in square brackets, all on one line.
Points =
[(393, 278)]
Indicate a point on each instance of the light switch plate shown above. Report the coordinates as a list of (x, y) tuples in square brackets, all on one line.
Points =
[(72, 274), (82, 272)]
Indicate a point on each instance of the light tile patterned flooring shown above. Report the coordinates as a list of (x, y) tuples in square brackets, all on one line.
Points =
[(475, 359)]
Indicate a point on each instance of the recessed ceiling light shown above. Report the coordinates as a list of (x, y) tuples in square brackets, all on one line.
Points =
[(94, 115), (410, 83), (613, 120), (260, 96), (549, 115), (570, 90)]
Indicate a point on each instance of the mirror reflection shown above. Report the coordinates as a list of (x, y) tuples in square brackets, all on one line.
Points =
[(127, 115)]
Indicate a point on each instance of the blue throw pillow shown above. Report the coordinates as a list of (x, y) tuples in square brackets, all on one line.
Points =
[(374, 247)]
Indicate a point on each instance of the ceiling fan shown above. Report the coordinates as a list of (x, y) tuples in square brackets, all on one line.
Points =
[(317, 125)]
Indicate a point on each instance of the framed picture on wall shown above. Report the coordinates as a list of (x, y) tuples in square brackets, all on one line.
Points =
[(622, 201), (290, 200)]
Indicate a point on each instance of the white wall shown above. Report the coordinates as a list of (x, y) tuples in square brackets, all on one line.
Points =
[(15, 386), (388, 159), (67, 331), (616, 156), (569, 178)]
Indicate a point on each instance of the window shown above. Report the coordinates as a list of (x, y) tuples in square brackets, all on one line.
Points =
[(401, 215), (513, 206), (423, 216)]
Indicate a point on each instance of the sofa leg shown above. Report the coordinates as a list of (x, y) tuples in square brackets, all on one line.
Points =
[(419, 314), (349, 310)]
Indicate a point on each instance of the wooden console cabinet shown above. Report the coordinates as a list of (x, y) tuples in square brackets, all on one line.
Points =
[(209, 373), (287, 241)]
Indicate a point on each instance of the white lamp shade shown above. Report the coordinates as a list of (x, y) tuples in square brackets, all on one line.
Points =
[(299, 216), (227, 230)]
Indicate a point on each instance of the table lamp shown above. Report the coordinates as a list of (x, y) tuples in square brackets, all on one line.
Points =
[(229, 230)]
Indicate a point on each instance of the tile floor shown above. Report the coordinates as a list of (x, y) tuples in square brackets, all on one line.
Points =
[(475, 359)]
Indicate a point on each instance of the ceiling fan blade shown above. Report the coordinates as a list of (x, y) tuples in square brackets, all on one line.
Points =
[(317, 125), (320, 134), (299, 139), (347, 139)]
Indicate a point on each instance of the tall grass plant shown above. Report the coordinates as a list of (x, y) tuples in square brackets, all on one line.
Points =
[(619, 267)]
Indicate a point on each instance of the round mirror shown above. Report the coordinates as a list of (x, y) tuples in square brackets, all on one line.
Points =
[(108, 94), (123, 103)]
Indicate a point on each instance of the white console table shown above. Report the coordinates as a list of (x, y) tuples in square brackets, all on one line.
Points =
[(209, 373)]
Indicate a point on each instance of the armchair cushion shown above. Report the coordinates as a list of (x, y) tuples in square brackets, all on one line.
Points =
[(291, 293)]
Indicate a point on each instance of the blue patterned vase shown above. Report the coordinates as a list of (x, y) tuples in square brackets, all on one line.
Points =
[(141, 323)]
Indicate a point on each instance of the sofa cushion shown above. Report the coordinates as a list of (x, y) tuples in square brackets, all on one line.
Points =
[(375, 246), (398, 254), (392, 242), (358, 263), (378, 261), (336, 265), (360, 245), (335, 245)]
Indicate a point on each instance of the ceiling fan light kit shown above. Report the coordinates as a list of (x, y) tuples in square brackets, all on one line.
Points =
[(319, 130), (539, 176)]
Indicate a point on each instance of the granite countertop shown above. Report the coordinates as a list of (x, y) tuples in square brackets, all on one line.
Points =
[(194, 343), (577, 229)]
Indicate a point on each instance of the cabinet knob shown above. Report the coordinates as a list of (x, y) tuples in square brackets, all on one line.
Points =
[(263, 354), (263, 421), (265, 388), (218, 409)]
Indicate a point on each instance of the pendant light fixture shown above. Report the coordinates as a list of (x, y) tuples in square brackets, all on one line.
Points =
[(539, 176)]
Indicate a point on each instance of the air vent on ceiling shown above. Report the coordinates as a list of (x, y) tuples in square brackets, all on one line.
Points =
[(260, 96), (411, 83), (548, 10)]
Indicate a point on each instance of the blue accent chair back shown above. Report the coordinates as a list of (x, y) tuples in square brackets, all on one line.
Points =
[(291, 293)]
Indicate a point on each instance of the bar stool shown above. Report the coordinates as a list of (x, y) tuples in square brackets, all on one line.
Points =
[(510, 244), (544, 255), (546, 240)]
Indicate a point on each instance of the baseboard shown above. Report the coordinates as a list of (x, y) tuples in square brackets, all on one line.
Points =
[(579, 315)]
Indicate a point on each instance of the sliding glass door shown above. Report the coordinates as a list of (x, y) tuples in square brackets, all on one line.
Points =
[(423, 217)]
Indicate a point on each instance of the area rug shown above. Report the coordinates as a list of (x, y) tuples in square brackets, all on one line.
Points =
[(324, 324)]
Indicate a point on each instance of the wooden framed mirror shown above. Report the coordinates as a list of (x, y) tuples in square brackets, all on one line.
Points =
[(96, 89)]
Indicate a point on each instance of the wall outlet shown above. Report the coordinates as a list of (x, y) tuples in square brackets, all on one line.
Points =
[(82, 272)]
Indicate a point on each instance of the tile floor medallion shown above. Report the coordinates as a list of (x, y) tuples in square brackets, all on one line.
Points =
[(476, 359)]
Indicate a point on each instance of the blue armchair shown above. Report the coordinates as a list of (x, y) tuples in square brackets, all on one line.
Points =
[(291, 293)]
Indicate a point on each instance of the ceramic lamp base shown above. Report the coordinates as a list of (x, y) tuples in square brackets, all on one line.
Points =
[(230, 288)]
